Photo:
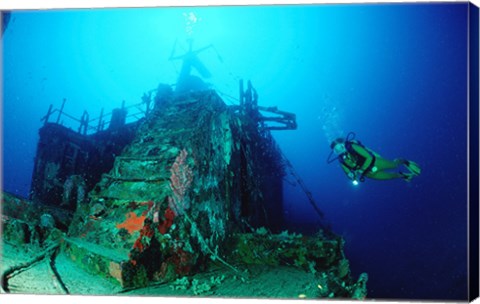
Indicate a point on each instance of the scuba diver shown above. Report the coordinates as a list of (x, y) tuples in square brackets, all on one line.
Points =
[(358, 162)]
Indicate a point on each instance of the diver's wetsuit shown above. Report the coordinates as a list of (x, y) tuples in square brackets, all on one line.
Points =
[(355, 161)]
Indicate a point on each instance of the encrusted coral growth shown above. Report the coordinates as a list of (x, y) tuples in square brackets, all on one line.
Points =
[(146, 235), (132, 223), (74, 191), (183, 261), (115, 270), (180, 190), (180, 181), (167, 222), (321, 256)]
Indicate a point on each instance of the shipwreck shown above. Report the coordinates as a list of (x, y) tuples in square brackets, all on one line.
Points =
[(191, 183)]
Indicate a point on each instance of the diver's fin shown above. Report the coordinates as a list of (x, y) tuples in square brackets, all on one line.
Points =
[(407, 176), (413, 167)]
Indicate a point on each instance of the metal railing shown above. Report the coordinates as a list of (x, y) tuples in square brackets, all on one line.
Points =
[(248, 106), (95, 125)]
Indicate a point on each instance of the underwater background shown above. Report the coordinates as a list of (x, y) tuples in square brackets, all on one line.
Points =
[(395, 74)]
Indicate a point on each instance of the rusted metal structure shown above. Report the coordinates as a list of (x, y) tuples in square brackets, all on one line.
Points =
[(121, 176), (191, 183)]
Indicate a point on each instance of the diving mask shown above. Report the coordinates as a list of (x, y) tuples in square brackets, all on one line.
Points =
[(339, 149)]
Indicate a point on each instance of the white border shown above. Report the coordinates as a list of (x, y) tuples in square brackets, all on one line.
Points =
[(70, 4)]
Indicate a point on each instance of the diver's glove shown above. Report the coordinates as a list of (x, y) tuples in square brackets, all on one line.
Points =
[(352, 175)]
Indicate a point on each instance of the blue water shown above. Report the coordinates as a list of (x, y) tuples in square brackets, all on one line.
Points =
[(396, 75)]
